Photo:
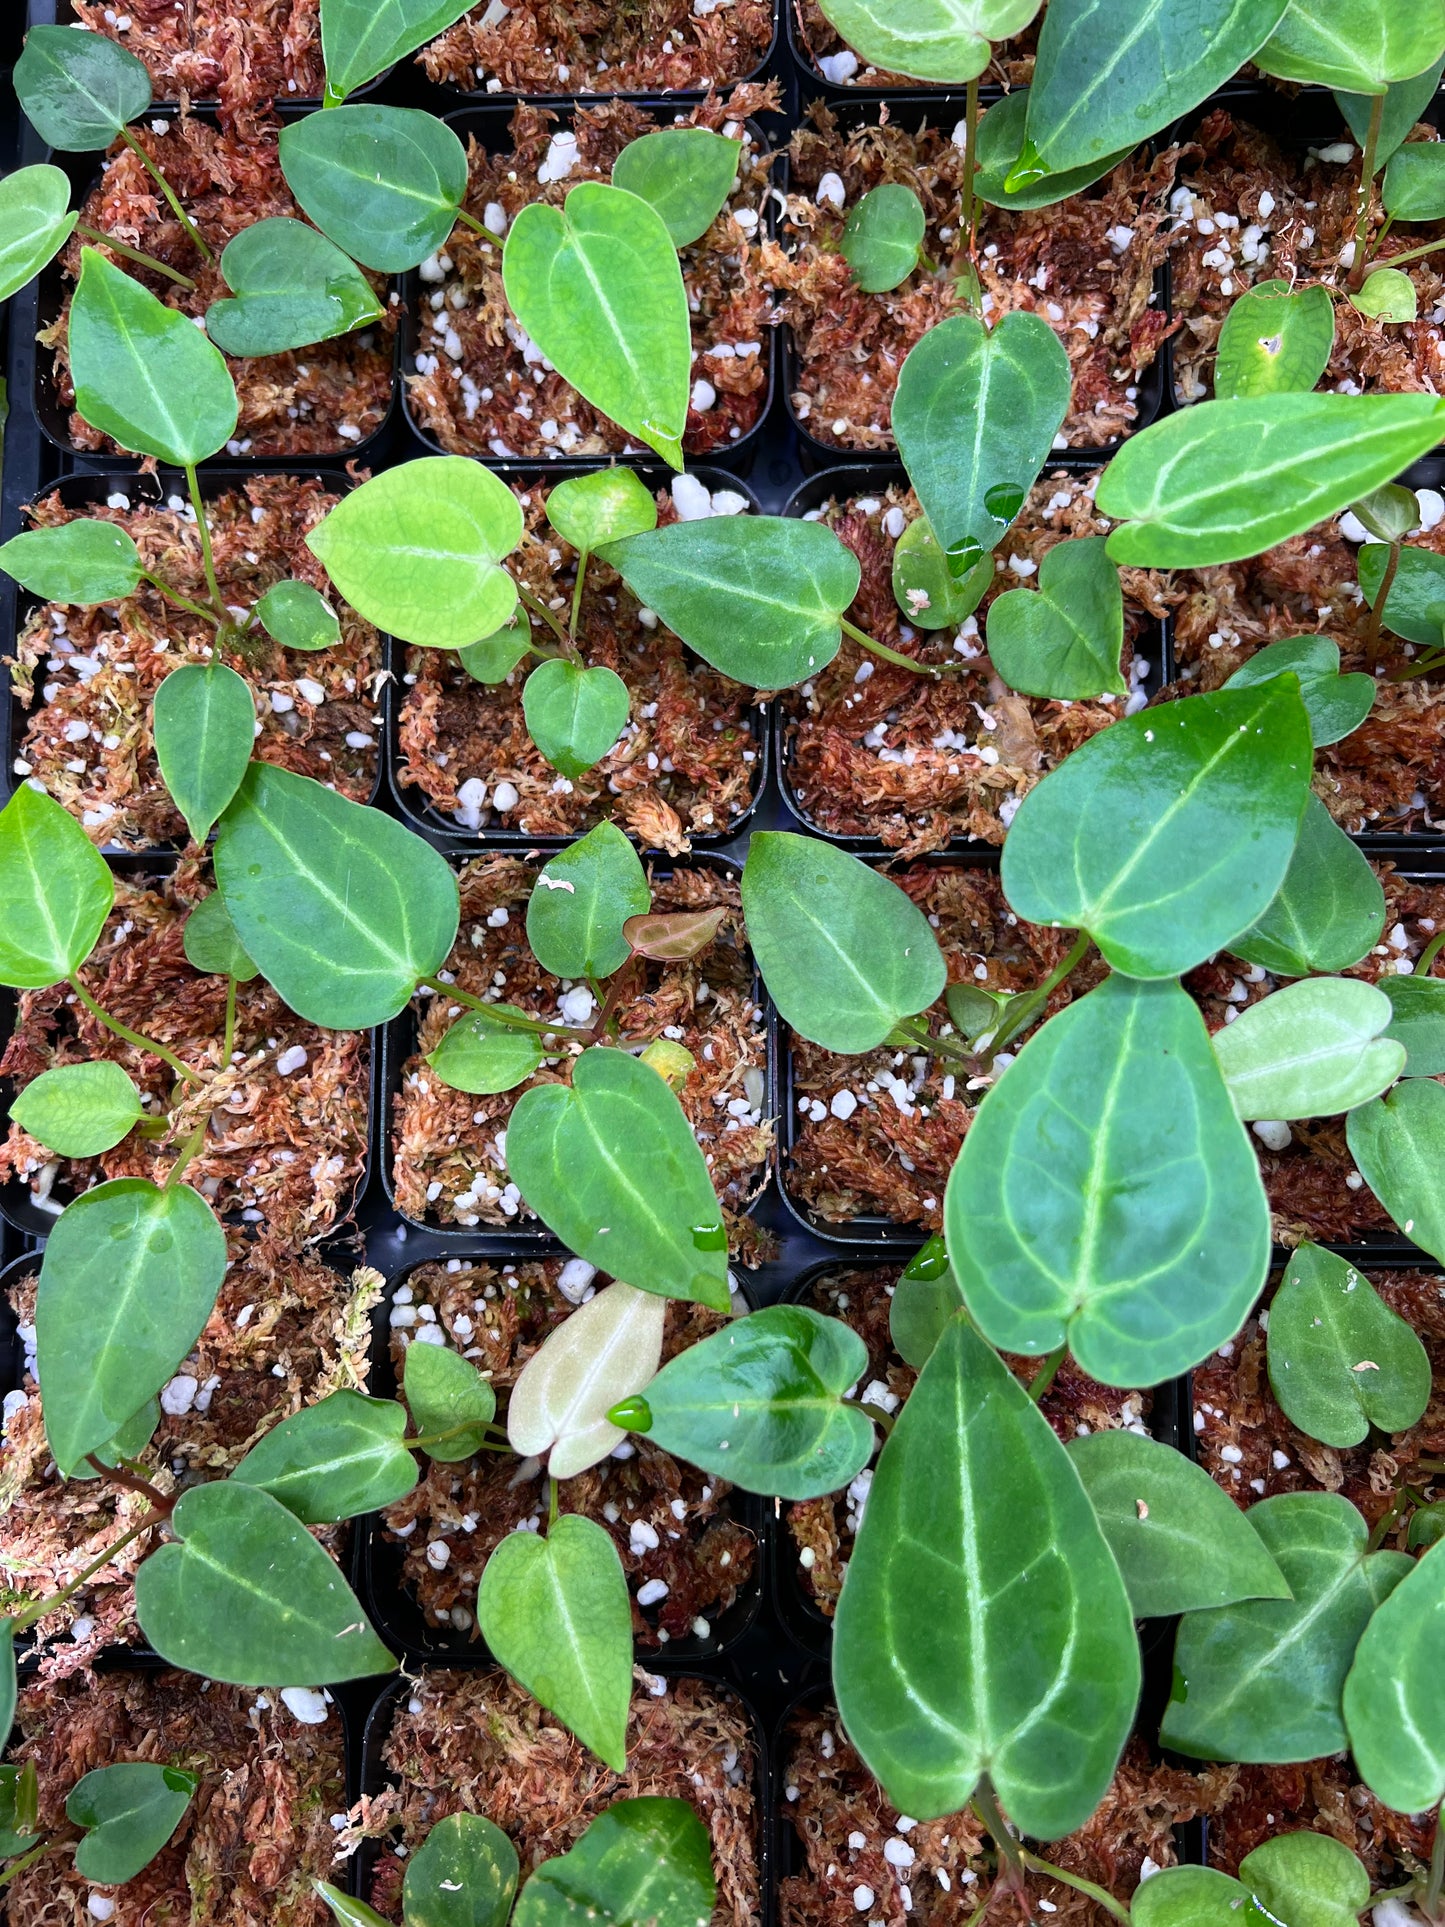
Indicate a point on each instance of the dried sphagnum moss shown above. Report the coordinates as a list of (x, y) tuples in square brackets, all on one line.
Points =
[(244, 57), (599, 46)]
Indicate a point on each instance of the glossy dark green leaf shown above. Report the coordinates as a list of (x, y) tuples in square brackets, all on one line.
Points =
[(362, 38), (1414, 186), (610, 1165), (1340, 1360), (574, 715), (1418, 1022), (1063, 639), (555, 1612), (80, 562), (924, 1299), (1415, 606), (79, 90), (606, 506), (1001, 136), (975, 418), (463, 1874), (482, 1055), (129, 1812), (451, 1404), (684, 173), (1306, 1880), (384, 183), (761, 1404), (335, 1459), (1330, 908), (943, 40), (1427, 1526), (1313, 1049), (1337, 704), (942, 1674), (1261, 1680), (56, 889), (1361, 46), (144, 374), (1107, 1196), (1398, 1143), (1274, 341), (925, 587), (1226, 480), (416, 549), (35, 223), (494, 658), (290, 287), (1188, 1897), (79, 1110), (1405, 102), (645, 1860), (1181, 1542), (882, 237), (844, 952), (298, 616), (342, 909), (582, 898), (204, 722), (211, 943), (244, 1594), (130, 1276), (597, 285), (757, 596), (1167, 835)]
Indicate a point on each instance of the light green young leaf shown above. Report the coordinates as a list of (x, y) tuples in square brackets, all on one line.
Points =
[(935, 40), (1337, 704), (1387, 295), (129, 1812), (1306, 1880), (1274, 341), (1226, 480), (1330, 908), (975, 417), (602, 1354), (1418, 1022), (606, 506), (924, 1299), (1359, 46), (924, 586), (1063, 639), (582, 898), (844, 952), (1398, 1143), (244, 1594), (1415, 606), (362, 38), (35, 223), (346, 1909), (343, 910), (597, 285), (451, 1404), (79, 89), (290, 286), (940, 1675), (416, 549), (1395, 1692), (573, 715), (648, 1860), (1168, 834), (1188, 1897), (335, 1459), (56, 889), (1405, 102), (684, 173), (383, 183), (1389, 513), (211, 943), (757, 596), (1106, 1195), (1414, 185), (1313, 1049), (1001, 136), (1181, 1542), (204, 722), (493, 658), (1340, 1360), (1261, 1680), (129, 1278), (80, 562), (298, 617), (556, 1614), (483, 1055), (464, 1873), (883, 237), (79, 1110)]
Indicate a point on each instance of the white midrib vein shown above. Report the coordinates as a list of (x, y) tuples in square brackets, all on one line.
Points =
[(1179, 506), (1292, 1634), (342, 906)]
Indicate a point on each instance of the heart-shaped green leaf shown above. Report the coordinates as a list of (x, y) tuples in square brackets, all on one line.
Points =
[(1418, 1022), (362, 38), (685, 173), (574, 715), (1386, 295), (924, 1299), (290, 286), (944, 40), (1262, 1679), (1063, 639), (1168, 834), (211, 943), (79, 89), (451, 1404), (79, 1110), (975, 417), (1313, 1049), (883, 237), (555, 1613), (343, 910), (1398, 1142), (384, 183), (606, 1351), (1181, 1542), (35, 223), (1274, 342), (1414, 186), (130, 1276), (1188, 1897), (1306, 1879), (144, 374), (844, 952), (244, 1594), (940, 1674), (760, 597), (1226, 480), (204, 722), (464, 1873), (582, 898), (642, 1860), (926, 589), (588, 510), (483, 1054), (1427, 1526), (1340, 1360), (1395, 1693), (415, 550), (1106, 1195), (1337, 704), (1415, 607), (761, 1404), (1001, 136), (298, 617), (56, 890), (1330, 908), (598, 287), (129, 1812), (648, 1214), (80, 562), (1362, 46), (335, 1459), (494, 657)]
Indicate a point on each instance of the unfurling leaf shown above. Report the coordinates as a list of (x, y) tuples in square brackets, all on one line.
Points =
[(290, 287), (1312, 1049), (204, 722), (129, 1812), (1064, 638), (1274, 341), (883, 237), (464, 1874), (451, 1404), (581, 901), (603, 1353), (1329, 911), (81, 562), (383, 183), (335, 1459), (673, 936), (684, 173), (483, 1054), (1337, 704), (79, 1110), (1340, 1360), (1398, 1144), (574, 715), (298, 617), (641, 1860), (56, 889)]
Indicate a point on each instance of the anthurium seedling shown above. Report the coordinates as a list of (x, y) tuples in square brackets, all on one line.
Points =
[(1274, 341), (1340, 1360), (882, 238), (1064, 639), (384, 183), (1393, 1694), (1313, 1049), (924, 1299), (1337, 704), (684, 173), (1329, 911), (290, 287), (1405, 587), (35, 223), (1397, 1143), (360, 40)]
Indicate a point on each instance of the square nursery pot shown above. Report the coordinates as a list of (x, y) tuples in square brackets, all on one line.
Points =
[(334, 401), (450, 1742), (442, 1168), (288, 1151), (871, 755), (1107, 299), (689, 767), (98, 668), (693, 1553), (462, 353), (829, 67)]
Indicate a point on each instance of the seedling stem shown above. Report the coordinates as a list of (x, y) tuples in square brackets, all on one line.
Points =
[(1367, 195), (194, 487), (1044, 1377), (165, 187), (882, 649), (134, 254), (228, 1043), (1077, 1882), (133, 1036), (1372, 634)]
